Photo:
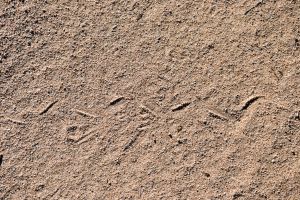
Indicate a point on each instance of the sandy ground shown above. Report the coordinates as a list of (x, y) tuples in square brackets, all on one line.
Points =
[(175, 99)]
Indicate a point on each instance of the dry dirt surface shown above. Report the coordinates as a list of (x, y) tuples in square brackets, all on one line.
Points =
[(128, 99)]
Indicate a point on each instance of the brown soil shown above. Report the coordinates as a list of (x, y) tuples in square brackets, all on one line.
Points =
[(118, 99)]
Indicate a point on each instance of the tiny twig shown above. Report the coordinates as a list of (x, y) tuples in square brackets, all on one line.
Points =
[(85, 114), (48, 108), (1, 159), (131, 142), (115, 101), (217, 115), (180, 107), (253, 7), (249, 101)]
